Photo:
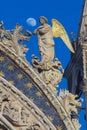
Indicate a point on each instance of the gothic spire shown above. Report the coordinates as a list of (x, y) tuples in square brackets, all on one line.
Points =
[(83, 24), (83, 35)]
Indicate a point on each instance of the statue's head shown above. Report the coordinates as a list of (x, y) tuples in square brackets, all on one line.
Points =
[(43, 20)]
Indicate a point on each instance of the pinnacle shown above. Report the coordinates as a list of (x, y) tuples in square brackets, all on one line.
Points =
[(83, 27)]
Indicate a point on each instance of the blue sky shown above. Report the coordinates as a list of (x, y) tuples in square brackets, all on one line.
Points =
[(68, 12)]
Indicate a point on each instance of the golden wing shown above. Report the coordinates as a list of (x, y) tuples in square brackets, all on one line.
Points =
[(59, 31)]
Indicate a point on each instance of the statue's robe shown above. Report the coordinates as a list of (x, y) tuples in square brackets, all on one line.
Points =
[(46, 43)]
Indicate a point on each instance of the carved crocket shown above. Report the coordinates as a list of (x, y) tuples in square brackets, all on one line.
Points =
[(69, 102), (13, 38)]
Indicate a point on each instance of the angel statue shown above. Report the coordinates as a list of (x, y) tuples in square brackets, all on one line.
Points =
[(45, 34)]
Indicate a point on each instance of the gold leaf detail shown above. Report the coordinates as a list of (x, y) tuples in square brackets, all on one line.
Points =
[(2, 74), (19, 76), (1, 58), (29, 85), (50, 118), (10, 67), (47, 103), (32, 100), (39, 94), (59, 127), (12, 82)]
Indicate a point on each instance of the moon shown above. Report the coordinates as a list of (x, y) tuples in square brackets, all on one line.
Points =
[(31, 22)]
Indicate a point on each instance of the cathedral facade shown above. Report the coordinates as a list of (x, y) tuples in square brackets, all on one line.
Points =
[(28, 95)]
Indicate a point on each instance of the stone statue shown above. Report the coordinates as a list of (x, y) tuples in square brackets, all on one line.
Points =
[(45, 40), (49, 68), (45, 34)]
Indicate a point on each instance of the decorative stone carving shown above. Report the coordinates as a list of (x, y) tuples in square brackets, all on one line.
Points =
[(16, 114), (51, 73), (14, 37), (76, 124), (44, 87), (69, 102), (55, 102)]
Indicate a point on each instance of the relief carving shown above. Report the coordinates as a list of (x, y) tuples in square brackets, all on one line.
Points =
[(70, 104), (16, 114)]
